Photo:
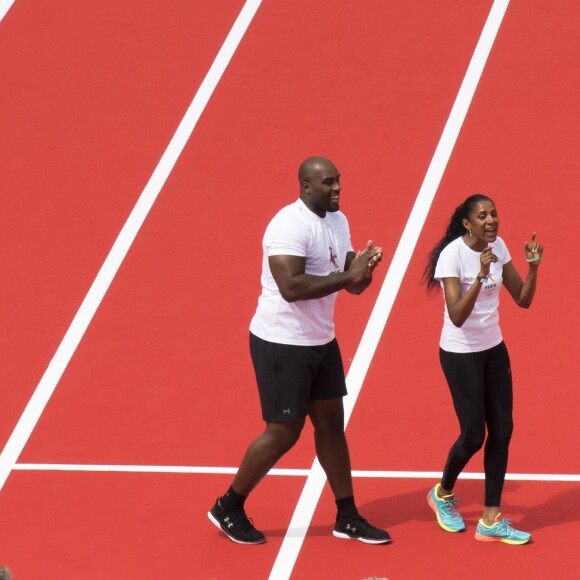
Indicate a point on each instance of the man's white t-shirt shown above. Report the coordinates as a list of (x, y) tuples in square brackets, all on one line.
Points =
[(481, 330), (324, 242)]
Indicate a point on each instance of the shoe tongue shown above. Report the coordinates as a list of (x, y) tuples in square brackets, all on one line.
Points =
[(498, 517)]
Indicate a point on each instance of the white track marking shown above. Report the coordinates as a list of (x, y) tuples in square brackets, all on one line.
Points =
[(83, 317), (292, 543), (556, 477), (205, 470), (4, 7)]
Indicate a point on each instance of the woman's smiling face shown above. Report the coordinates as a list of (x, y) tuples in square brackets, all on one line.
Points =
[(482, 223)]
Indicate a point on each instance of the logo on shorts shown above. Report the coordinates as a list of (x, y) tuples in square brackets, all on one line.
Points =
[(286, 411)]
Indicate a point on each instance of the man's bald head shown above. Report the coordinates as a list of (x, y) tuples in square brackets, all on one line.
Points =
[(312, 167), (319, 185)]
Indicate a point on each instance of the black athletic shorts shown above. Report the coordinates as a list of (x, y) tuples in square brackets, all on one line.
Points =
[(289, 377)]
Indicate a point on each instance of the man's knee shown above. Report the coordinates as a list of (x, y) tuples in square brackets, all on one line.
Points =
[(285, 435), (327, 415)]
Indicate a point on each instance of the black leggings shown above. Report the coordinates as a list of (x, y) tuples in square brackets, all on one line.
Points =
[(481, 388)]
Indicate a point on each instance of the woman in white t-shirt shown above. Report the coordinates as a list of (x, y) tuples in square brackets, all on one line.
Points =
[(471, 263)]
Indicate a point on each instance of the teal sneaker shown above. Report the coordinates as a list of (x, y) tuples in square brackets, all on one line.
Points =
[(446, 511), (501, 531)]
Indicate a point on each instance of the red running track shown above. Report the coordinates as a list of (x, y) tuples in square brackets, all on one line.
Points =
[(91, 96)]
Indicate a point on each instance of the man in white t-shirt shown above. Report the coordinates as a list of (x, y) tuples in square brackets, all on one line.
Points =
[(307, 259)]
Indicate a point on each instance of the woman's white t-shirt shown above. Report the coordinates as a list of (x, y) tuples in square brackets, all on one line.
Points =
[(324, 242), (481, 330)]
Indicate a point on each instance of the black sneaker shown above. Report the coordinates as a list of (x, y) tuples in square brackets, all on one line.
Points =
[(357, 528), (235, 525)]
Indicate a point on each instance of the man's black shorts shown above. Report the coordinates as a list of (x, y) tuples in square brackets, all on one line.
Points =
[(289, 377)]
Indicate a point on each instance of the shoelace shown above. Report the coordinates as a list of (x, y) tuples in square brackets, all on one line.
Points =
[(451, 507), (241, 520), (362, 523), (505, 524), (358, 521), (248, 524)]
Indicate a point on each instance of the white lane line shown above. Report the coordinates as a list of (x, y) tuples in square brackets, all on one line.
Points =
[(292, 543), (204, 470), (108, 270), (5, 5), (209, 470)]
